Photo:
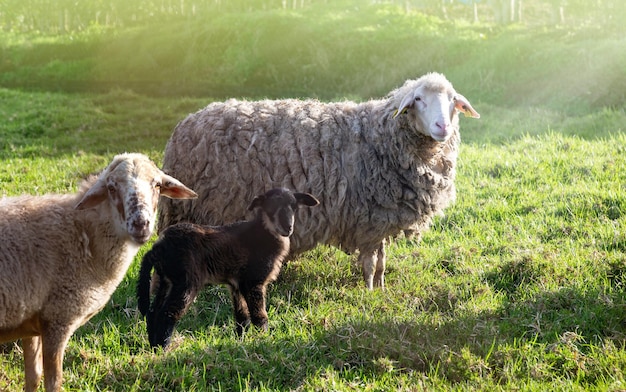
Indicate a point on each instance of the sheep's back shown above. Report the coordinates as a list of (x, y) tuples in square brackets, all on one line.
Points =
[(230, 152), (373, 179), (32, 231)]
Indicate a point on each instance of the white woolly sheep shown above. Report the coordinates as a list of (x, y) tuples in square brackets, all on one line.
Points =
[(246, 256), (62, 256), (379, 167)]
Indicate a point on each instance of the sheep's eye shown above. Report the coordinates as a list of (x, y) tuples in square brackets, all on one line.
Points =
[(111, 189), (417, 99)]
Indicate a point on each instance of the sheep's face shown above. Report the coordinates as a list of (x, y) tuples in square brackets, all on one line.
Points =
[(278, 209), (433, 106), (134, 192), (132, 185)]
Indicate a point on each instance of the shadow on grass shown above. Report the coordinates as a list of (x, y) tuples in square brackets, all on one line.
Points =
[(548, 336)]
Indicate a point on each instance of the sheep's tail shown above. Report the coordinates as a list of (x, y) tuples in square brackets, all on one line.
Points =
[(143, 285)]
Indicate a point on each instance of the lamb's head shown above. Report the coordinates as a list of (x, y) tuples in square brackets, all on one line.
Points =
[(278, 207), (132, 184), (432, 105)]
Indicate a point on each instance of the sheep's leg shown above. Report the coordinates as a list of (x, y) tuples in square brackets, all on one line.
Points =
[(162, 288), (379, 275), (373, 266), (173, 309), (240, 309), (368, 267), (256, 302), (33, 362), (54, 341)]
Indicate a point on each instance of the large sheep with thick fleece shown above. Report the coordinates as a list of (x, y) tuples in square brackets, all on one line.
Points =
[(379, 167), (62, 256)]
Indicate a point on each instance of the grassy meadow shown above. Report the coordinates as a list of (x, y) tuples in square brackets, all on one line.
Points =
[(520, 286)]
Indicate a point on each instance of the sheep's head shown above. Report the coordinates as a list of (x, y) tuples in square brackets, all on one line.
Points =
[(132, 184), (278, 208), (432, 104)]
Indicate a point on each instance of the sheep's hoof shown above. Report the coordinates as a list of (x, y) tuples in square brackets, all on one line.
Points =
[(241, 328), (379, 281)]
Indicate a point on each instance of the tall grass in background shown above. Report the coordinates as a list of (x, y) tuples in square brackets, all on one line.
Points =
[(327, 50)]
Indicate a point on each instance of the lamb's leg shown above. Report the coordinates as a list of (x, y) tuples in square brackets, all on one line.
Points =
[(33, 362), (174, 308), (240, 310), (256, 302), (54, 340), (162, 287)]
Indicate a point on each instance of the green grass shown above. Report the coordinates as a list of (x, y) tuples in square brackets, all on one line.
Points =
[(520, 286)]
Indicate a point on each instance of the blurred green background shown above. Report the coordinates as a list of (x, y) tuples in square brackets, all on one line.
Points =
[(567, 55)]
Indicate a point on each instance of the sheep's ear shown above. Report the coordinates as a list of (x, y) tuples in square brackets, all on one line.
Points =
[(174, 189), (406, 103), (94, 196), (462, 105), (257, 202), (306, 199)]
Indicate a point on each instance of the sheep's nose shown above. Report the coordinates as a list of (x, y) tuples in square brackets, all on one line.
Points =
[(287, 230), (441, 126), (140, 230), (140, 225)]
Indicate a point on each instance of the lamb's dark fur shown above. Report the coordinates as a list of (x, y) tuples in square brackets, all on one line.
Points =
[(246, 256)]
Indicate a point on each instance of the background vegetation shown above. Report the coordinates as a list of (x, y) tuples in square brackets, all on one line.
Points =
[(519, 287)]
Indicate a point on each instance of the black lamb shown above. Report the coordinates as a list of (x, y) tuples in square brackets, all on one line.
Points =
[(245, 255)]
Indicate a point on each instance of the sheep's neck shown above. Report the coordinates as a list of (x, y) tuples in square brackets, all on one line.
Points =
[(109, 254), (265, 242)]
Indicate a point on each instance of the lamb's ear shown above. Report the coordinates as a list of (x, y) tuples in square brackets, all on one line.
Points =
[(306, 199), (462, 105), (257, 202), (174, 189), (406, 103), (94, 196)]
